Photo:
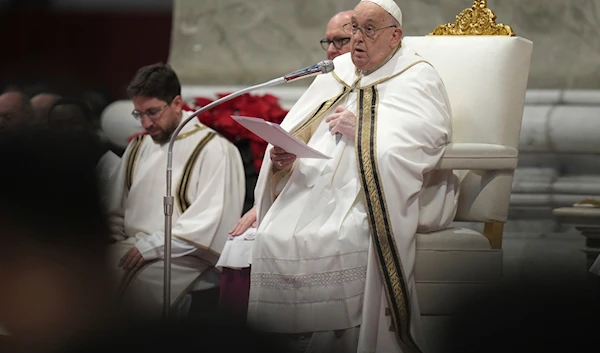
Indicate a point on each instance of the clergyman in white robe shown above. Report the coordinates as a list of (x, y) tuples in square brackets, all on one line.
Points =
[(335, 242), (208, 187)]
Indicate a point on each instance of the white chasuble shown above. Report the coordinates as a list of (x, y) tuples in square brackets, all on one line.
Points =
[(335, 249), (208, 188)]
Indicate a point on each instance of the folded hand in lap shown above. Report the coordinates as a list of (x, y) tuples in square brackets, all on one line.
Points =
[(131, 259), (248, 220)]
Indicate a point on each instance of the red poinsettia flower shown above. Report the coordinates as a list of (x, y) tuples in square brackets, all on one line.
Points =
[(201, 102), (219, 118)]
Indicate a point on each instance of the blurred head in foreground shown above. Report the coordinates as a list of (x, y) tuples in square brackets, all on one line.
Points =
[(15, 109), (70, 115), (53, 234)]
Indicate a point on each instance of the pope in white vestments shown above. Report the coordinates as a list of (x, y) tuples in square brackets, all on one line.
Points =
[(208, 188), (335, 242)]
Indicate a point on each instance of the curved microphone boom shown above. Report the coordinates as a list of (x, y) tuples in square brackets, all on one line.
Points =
[(322, 67)]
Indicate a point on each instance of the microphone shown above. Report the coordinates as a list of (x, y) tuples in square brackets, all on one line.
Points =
[(321, 67)]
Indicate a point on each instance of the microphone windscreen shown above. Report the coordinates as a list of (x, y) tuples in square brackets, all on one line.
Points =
[(326, 66)]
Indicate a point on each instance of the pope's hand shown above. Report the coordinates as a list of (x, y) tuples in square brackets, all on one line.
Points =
[(131, 259), (342, 121), (281, 159), (247, 221)]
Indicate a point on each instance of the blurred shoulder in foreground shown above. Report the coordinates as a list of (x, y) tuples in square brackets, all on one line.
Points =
[(53, 238)]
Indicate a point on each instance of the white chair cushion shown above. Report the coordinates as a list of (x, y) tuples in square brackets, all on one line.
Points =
[(451, 264), (456, 255), (453, 239)]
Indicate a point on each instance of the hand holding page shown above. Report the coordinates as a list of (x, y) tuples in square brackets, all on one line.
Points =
[(277, 136)]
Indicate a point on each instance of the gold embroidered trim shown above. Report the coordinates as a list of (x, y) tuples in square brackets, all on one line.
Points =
[(182, 200), (276, 176), (340, 80), (478, 20), (396, 74), (349, 88), (190, 133), (132, 160), (389, 261), (324, 107)]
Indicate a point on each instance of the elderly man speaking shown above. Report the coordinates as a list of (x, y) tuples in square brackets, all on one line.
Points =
[(333, 260)]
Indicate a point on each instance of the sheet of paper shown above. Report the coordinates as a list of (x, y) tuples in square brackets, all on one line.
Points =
[(277, 136)]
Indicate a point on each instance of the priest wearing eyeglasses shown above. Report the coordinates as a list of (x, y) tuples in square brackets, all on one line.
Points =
[(209, 189), (336, 41), (335, 246)]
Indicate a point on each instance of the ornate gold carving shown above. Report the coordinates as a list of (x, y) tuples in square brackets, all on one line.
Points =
[(476, 21)]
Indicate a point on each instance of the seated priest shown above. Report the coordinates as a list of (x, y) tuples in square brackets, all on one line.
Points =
[(334, 254), (208, 187)]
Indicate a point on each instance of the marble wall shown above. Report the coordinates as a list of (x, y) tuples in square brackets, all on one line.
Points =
[(244, 42)]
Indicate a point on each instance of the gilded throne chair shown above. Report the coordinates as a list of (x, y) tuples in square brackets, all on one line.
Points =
[(485, 68)]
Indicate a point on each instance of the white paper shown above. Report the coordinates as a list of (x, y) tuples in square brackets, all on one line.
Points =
[(277, 136)]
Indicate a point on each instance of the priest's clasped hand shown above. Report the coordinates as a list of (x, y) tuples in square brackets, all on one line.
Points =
[(343, 122), (281, 159)]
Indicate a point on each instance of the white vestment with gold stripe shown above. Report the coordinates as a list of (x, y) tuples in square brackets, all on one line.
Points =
[(322, 258), (208, 186)]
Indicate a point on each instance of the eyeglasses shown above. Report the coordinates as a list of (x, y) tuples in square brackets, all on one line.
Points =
[(368, 31), (338, 43), (152, 113)]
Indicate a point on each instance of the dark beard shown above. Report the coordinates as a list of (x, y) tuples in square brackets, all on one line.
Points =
[(165, 136), (162, 138)]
